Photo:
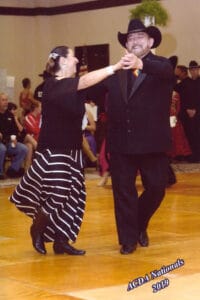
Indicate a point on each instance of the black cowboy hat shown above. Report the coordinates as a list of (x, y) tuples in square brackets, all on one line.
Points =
[(193, 64), (136, 25)]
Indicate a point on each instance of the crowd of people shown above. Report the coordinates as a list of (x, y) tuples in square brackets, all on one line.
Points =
[(151, 117), (188, 109), (25, 125), (19, 130)]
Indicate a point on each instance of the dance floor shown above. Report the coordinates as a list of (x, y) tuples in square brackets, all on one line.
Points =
[(168, 269)]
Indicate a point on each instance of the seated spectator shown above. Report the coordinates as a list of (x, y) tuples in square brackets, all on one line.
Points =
[(23, 136), (2, 156), (32, 120), (9, 144)]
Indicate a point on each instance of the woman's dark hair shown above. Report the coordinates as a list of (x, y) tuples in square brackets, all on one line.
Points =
[(173, 60), (11, 106), (52, 65), (26, 82)]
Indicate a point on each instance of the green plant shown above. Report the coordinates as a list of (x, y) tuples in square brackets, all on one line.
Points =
[(150, 8)]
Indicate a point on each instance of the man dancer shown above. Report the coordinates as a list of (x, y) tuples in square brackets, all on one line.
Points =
[(139, 132)]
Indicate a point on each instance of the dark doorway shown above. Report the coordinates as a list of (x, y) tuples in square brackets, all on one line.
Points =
[(93, 56)]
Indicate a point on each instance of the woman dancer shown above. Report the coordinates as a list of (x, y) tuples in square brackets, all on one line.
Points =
[(52, 192)]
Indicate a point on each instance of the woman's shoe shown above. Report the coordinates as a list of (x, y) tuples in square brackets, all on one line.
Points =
[(39, 224), (61, 247), (37, 240)]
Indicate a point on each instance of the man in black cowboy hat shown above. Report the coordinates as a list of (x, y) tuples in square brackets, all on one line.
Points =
[(139, 132), (192, 111), (193, 65)]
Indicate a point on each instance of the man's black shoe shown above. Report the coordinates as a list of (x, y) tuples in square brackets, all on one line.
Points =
[(128, 249), (143, 239)]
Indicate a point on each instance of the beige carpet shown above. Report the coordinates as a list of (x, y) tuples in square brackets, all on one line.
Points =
[(91, 173), (186, 167), (8, 182)]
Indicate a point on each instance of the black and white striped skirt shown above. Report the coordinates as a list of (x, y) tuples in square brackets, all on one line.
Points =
[(54, 183)]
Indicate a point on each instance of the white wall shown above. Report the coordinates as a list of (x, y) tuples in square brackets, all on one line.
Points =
[(26, 41), (182, 34)]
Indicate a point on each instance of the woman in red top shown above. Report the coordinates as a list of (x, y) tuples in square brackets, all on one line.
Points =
[(32, 121)]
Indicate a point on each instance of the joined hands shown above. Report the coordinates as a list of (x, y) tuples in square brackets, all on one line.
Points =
[(131, 61)]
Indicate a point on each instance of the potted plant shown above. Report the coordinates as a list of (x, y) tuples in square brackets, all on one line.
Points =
[(150, 12)]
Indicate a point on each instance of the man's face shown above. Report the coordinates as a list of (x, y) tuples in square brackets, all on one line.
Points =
[(3, 102), (139, 43)]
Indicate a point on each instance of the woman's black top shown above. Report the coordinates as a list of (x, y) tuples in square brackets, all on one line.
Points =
[(62, 114)]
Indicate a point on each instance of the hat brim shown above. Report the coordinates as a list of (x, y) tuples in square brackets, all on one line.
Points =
[(193, 67), (45, 75), (152, 31)]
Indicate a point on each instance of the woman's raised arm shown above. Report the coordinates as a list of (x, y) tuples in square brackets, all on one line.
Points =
[(96, 76)]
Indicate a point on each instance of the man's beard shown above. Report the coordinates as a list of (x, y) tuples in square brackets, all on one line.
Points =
[(139, 52)]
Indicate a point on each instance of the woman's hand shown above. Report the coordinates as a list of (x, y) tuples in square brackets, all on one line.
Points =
[(119, 65), (191, 112)]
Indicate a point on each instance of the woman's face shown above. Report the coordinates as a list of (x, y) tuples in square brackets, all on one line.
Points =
[(68, 64)]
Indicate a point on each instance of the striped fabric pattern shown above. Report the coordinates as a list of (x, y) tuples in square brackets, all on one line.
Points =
[(55, 184)]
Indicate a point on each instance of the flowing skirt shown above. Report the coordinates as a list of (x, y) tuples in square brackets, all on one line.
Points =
[(54, 183)]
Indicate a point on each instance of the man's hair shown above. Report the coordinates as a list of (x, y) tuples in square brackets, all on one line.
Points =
[(12, 106), (26, 82)]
